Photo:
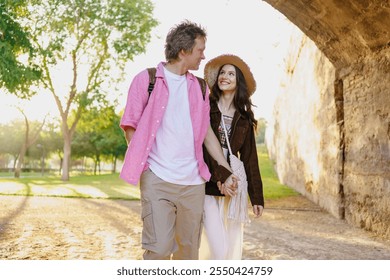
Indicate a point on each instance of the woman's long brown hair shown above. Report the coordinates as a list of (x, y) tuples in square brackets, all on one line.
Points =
[(242, 101)]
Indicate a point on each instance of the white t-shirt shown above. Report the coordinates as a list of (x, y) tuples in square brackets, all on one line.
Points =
[(172, 157)]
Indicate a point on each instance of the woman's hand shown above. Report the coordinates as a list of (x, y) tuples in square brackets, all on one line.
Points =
[(229, 187), (258, 210)]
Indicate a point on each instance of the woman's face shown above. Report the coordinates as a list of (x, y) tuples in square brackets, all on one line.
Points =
[(227, 80)]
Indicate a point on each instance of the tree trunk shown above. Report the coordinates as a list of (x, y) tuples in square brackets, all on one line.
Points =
[(114, 165), (23, 148), (19, 165), (28, 142), (94, 167), (66, 158), (15, 161)]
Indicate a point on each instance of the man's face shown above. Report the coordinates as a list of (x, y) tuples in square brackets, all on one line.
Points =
[(194, 58)]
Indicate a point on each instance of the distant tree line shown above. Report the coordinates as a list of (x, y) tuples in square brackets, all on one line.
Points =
[(98, 137), (89, 39)]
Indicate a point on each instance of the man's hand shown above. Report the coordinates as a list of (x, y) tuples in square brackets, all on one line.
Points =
[(229, 187)]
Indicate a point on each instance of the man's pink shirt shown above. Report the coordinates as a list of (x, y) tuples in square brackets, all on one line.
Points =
[(146, 121)]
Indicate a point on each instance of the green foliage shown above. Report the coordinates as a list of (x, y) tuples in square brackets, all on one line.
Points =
[(11, 139), (51, 139), (98, 135), (12, 136), (90, 41), (272, 188), (14, 130), (260, 131), (93, 30), (15, 76)]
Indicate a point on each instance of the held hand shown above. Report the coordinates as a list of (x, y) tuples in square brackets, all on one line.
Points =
[(229, 191), (258, 210), (232, 182), (224, 190), (229, 187)]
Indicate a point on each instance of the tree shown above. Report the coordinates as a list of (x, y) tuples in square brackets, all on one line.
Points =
[(49, 140), (7, 146), (30, 137), (15, 76), (115, 143), (93, 37), (52, 141), (99, 138)]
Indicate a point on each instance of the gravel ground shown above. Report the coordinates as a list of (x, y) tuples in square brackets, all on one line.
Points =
[(49, 228)]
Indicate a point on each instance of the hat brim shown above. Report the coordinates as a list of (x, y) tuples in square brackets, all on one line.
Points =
[(212, 67)]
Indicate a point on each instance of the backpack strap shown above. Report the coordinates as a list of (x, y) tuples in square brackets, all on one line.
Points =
[(152, 79), (202, 84)]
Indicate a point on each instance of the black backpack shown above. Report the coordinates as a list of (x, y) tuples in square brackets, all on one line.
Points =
[(152, 80)]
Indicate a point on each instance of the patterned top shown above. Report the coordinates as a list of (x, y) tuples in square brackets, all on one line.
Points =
[(228, 123)]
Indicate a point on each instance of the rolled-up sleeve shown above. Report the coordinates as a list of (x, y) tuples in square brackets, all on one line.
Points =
[(137, 98)]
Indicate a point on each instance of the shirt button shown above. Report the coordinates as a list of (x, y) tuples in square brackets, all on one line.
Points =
[(142, 163), (158, 121)]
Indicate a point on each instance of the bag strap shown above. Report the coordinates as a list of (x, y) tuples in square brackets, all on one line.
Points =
[(226, 135), (152, 79), (202, 84)]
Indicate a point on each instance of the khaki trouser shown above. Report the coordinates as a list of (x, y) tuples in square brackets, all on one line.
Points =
[(172, 217)]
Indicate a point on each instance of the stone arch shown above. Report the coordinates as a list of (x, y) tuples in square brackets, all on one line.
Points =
[(345, 31), (354, 36)]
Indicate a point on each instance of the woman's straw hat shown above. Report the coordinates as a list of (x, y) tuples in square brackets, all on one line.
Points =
[(212, 67)]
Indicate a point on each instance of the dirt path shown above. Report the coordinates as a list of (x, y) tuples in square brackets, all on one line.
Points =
[(68, 229)]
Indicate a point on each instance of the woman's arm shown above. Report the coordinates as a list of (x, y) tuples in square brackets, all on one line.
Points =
[(248, 155)]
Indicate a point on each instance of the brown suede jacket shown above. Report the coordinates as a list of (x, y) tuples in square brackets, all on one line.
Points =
[(242, 141)]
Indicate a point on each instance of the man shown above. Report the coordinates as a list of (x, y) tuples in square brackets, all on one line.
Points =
[(165, 132)]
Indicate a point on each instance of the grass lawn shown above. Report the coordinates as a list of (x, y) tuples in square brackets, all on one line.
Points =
[(112, 187), (272, 188), (82, 186)]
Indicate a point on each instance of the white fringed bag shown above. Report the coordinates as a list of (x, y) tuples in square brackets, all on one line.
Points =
[(238, 205)]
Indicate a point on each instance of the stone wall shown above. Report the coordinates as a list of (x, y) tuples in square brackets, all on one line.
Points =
[(330, 136), (303, 137), (367, 142), (344, 30)]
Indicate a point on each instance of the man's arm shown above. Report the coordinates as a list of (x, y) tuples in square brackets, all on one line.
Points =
[(215, 150), (129, 131)]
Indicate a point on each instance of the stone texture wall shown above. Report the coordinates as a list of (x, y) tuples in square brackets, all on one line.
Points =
[(303, 137), (367, 142), (330, 136)]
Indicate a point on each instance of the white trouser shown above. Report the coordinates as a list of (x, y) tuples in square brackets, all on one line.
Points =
[(222, 238)]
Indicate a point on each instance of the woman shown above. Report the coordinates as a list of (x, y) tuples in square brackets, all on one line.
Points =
[(231, 83)]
